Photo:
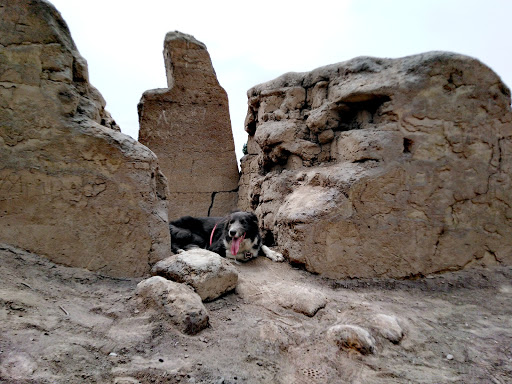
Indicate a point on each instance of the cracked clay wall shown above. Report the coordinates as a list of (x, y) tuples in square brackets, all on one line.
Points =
[(383, 167), (73, 188), (188, 126)]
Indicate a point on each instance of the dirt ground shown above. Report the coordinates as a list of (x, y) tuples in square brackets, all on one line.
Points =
[(68, 325)]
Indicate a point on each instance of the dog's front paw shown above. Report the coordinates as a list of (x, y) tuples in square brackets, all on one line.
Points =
[(278, 257), (273, 255)]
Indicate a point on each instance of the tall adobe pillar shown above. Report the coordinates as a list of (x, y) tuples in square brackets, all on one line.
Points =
[(187, 125)]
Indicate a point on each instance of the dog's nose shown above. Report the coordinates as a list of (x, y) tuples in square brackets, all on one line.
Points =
[(232, 233)]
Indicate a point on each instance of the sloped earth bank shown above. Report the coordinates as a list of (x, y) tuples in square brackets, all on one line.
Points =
[(68, 325)]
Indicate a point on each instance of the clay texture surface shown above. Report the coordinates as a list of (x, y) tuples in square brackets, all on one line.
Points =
[(188, 126), (72, 187), (383, 167)]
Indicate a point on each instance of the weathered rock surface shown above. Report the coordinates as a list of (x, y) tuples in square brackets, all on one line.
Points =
[(301, 299), (210, 275), (347, 337), (72, 187), (179, 301), (380, 167), (388, 327), (17, 366), (188, 126)]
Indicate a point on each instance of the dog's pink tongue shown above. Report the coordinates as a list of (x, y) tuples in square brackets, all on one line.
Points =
[(235, 244)]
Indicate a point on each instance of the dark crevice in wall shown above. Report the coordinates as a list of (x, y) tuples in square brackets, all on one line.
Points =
[(355, 115), (214, 193)]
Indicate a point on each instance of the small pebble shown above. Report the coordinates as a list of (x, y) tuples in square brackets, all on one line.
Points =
[(449, 357), (161, 360), (112, 354)]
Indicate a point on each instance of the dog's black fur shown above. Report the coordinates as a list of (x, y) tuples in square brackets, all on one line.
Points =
[(195, 232)]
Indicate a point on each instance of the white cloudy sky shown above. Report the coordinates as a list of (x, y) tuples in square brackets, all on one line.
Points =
[(251, 42)]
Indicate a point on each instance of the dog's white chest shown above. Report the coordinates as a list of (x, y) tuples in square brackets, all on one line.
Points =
[(246, 251)]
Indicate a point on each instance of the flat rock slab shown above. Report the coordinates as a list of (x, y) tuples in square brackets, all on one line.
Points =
[(301, 299), (179, 301), (259, 283), (208, 273)]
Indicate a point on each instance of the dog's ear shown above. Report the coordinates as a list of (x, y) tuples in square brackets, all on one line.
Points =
[(253, 218), (226, 220)]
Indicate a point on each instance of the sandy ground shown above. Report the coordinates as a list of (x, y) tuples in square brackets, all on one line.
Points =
[(67, 325)]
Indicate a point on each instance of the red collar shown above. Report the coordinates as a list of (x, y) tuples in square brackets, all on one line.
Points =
[(211, 236)]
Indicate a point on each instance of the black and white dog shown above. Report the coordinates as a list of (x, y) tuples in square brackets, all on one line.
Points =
[(236, 236)]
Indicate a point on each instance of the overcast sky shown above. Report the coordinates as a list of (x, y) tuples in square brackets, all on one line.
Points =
[(251, 42)]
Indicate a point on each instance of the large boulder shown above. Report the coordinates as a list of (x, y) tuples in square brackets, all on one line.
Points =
[(72, 186), (178, 302), (383, 167), (188, 126), (209, 274)]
